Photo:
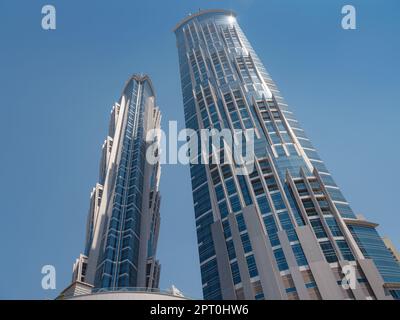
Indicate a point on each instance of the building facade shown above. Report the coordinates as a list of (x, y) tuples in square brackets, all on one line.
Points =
[(123, 220), (284, 230)]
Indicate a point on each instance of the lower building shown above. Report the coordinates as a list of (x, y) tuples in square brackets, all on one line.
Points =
[(124, 212), (83, 291)]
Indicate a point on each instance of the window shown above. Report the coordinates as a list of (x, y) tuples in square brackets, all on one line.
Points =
[(227, 229), (235, 272), (373, 247), (299, 255), (251, 264), (246, 242), (223, 209), (287, 225), (265, 166), (345, 250), (324, 205), (245, 190), (257, 187), (280, 259), (263, 205), (231, 250), (272, 230), (333, 226), (226, 171), (328, 251), (209, 274), (395, 294), (318, 228), (219, 192), (240, 222), (271, 183), (235, 203), (230, 186), (215, 176), (278, 201)]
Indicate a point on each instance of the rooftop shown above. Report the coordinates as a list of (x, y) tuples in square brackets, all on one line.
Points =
[(202, 12)]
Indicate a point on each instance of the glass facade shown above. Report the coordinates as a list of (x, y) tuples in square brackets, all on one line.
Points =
[(260, 228), (372, 246)]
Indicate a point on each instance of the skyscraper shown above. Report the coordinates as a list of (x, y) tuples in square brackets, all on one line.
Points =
[(123, 220), (284, 231)]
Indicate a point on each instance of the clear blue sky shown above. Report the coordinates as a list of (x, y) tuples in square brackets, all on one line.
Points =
[(57, 88)]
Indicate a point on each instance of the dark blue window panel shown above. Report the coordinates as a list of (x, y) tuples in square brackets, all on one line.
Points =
[(272, 230), (299, 255), (263, 205), (231, 250), (235, 203), (219, 192), (205, 220), (318, 228), (245, 191), (280, 259), (206, 250), (227, 229), (230, 186), (198, 175), (246, 242), (259, 296), (345, 250), (328, 251), (287, 225), (201, 199), (235, 272), (210, 277), (278, 201), (291, 290), (251, 264), (311, 285), (395, 294), (223, 209), (240, 222), (293, 205)]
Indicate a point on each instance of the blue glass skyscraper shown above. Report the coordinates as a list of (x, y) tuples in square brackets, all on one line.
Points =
[(123, 220), (285, 230)]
